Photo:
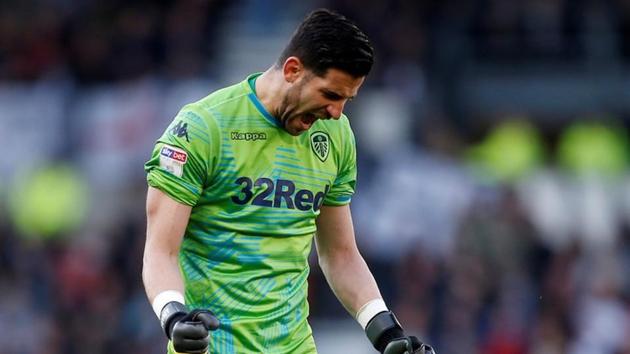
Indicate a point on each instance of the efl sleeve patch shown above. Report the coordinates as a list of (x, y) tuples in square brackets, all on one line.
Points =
[(173, 159)]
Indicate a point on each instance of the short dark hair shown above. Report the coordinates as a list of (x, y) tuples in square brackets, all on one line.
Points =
[(326, 39)]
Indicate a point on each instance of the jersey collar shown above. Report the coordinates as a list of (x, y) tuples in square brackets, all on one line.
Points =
[(250, 82)]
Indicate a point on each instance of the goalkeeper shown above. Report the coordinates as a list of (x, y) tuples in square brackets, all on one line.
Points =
[(239, 185)]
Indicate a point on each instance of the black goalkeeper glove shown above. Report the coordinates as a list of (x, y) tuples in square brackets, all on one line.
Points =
[(187, 330), (387, 336)]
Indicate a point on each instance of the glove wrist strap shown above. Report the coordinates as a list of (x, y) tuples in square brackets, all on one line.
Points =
[(382, 328), (170, 313)]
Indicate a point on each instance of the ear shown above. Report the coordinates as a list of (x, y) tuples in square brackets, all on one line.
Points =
[(292, 69)]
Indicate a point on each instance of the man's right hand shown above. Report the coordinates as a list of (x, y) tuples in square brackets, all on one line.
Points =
[(388, 337), (407, 345), (187, 330)]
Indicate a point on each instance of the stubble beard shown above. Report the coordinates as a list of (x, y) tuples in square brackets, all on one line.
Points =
[(286, 111)]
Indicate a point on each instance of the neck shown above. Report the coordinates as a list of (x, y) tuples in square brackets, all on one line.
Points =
[(270, 90)]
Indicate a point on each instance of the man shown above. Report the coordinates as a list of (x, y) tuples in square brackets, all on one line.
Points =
[(240, 183)]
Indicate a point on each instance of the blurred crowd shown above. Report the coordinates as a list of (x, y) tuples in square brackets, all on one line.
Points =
[(488, 232), (95, 41)]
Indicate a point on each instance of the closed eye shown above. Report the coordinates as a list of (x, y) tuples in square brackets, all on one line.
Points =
[(332, 96)]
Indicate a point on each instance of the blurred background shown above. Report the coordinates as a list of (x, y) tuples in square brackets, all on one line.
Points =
[(493, 200)]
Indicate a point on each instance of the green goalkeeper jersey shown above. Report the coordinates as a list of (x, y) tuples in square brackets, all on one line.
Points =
[(255, 191)]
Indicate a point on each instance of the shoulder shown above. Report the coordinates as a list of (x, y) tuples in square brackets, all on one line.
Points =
[(225, 98), (340, 131), (208, 109), (223, 105)]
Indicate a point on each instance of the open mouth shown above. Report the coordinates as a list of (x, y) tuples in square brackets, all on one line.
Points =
[(306, 121), (309, 119), (302, 122)]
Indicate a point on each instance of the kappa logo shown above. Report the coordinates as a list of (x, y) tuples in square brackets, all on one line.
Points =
[(320, 143), (180, 130), (248, 136)]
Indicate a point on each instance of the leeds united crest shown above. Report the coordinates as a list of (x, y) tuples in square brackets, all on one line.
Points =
[(320, 143)]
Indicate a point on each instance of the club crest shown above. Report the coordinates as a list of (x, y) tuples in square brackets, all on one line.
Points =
[(320, 143)]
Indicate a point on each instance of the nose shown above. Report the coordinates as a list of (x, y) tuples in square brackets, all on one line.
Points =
[(334, 109)]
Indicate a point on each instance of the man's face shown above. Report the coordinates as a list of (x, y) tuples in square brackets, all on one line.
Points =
[(312, 97)]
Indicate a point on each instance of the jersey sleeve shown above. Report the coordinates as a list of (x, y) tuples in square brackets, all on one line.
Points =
[(184, 157), (344, 185)]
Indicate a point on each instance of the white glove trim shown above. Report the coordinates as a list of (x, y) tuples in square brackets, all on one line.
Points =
[(369, 310), (164, 298)]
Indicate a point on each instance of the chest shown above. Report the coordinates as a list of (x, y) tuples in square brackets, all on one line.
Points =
[(270, 169)]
